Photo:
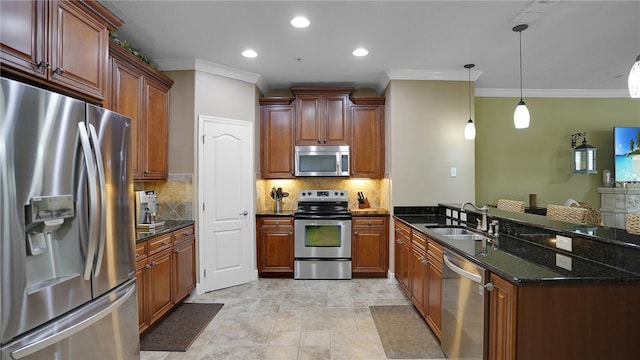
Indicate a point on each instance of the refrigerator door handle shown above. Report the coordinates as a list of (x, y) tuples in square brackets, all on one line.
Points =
[(71, 330), (101, 192), (94, 227)]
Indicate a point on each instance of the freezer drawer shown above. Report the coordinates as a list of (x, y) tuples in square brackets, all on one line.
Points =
[(102, 329)]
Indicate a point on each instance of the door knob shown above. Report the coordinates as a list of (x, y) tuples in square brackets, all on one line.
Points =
[(244, 213)]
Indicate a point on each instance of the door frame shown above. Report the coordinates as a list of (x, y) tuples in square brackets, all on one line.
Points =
[(200, 289)]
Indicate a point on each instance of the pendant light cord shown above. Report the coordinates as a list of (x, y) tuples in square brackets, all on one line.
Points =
[(520, 33), (469, 93)]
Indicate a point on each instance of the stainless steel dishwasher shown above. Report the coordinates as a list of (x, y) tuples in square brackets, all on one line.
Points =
[(464, 306)]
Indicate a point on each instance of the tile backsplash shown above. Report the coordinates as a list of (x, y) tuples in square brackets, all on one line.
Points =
[(175, 196), (376, 191)]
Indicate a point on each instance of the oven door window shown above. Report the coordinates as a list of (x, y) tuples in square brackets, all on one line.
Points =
[(322, 236)]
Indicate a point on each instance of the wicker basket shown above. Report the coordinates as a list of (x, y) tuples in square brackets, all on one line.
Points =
[(633, 224), (511, 205), (593, 214), (575, 215)]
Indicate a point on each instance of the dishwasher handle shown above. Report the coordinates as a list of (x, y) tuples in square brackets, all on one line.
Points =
[(462, 272)]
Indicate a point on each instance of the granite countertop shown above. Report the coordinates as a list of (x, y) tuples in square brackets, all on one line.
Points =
[(169, 226), (521, 261)]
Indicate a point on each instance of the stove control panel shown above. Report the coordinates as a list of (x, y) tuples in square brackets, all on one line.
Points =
[(322, 195)]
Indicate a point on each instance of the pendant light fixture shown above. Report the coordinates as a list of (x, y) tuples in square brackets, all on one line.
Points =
[(521, 114), (470, 128), (634, 79)]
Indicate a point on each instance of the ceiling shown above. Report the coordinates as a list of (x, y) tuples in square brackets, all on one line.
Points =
[(570, 46)]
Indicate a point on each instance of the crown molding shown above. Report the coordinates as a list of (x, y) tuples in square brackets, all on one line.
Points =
[(211, 68), (553, 93)]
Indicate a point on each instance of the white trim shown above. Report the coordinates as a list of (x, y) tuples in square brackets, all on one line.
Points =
[(211, 68), (443, 75), (553, 93)]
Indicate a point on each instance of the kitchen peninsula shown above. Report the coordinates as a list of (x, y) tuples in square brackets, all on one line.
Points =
[(544, 302)]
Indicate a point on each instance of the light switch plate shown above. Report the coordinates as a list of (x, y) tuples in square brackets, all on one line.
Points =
[(454, 172), (564, 242), (563, 261)]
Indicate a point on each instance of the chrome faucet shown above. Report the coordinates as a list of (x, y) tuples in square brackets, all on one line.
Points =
[(482, 226)]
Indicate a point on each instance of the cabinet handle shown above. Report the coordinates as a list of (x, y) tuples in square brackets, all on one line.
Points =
[(369, 223), (355, 233), (42, 65), (147, 266), (164, 243), (58, 71), (290, 233), (178, 251), (490, 286), (137, 255), (399, 241), (147, 172)]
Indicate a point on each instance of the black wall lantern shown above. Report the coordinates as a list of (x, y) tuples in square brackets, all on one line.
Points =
[(584, 155)]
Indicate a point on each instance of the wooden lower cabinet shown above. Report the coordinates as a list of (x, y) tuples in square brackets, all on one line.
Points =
[(418, 262), (165, 274), (402, 249), (275, 246), (184, 263), (563, 320), (370, 246)]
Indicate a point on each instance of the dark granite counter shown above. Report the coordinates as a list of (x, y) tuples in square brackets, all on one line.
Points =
[(169, 226), (526, 260)]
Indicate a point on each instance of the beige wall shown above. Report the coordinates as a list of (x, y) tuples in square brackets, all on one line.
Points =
[(513, 163), (182, 128), (425, 139)]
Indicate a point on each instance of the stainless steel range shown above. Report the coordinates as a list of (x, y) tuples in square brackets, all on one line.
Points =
[(322, 235)]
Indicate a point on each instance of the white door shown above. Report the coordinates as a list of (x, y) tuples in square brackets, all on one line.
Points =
[(226, 193)]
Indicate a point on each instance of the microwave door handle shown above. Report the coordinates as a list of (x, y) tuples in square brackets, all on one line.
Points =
[(338, 165)]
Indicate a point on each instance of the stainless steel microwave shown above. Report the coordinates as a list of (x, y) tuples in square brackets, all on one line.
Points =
[(322, 160)]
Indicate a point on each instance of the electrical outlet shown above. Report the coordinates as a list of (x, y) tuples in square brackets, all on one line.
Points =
[(454, 172), (564, 242), (563, 261)]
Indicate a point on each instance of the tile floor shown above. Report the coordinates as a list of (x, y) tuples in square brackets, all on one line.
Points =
[(293, 319)]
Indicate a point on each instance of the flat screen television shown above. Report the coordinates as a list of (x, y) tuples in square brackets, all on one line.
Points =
[(626, 142)]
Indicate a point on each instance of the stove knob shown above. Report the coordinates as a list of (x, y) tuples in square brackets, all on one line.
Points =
[(336, 193)]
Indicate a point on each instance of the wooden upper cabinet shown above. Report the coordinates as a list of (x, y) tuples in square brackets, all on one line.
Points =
[(367, 140), (62, 45), (155, 130), (277, 139), (142, 93), (322, 116), (23, 37)]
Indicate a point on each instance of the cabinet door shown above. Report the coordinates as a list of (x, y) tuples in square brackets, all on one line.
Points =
[(433, 297), (159, 290), (126, 92), (22, 33), (184, 269), (141, 280), (418, 279), (334, 124), (308, 127), (370, 248), (502, 319), (277, 136), (402, 255), (79, 49), (275, 250), (155, 130), (367, 141)]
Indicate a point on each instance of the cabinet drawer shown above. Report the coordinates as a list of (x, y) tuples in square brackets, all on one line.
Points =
[(141, 253), (158, 244), (402, 230), (368, 221), (183, 234), (277, 221), (418, 239), (434, 250)]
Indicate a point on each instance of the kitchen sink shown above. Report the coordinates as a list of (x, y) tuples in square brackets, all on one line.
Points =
[(447, 231), (458, 233)]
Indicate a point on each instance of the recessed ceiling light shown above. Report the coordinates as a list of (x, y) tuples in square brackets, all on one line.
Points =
[(300, 22), (360, 52), (249, 54)]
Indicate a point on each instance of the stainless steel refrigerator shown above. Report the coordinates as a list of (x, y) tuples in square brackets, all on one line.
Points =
[(67, 237)]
